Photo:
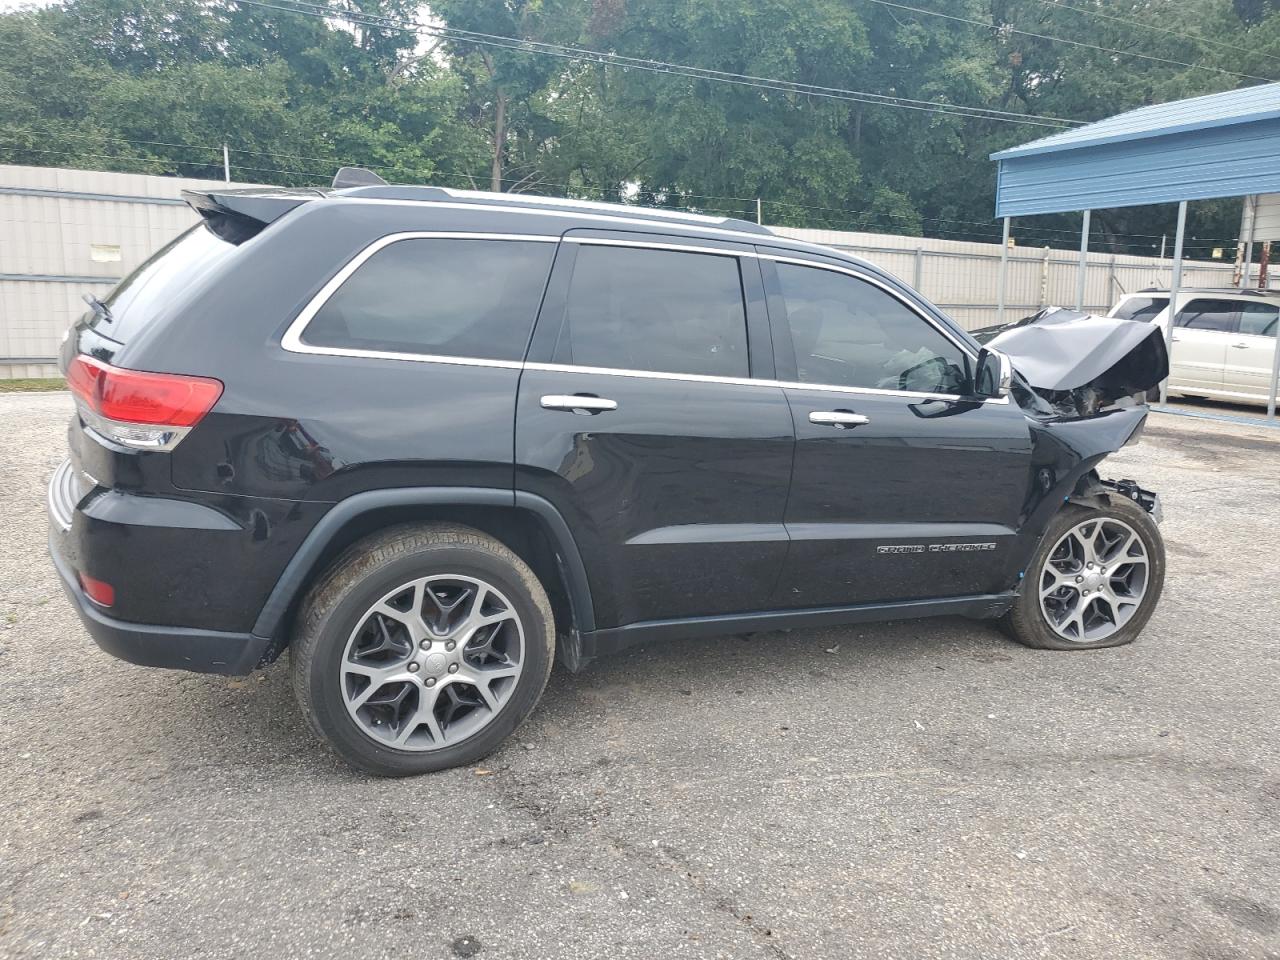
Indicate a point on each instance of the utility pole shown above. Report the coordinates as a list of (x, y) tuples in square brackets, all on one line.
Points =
[(759, 213), (226, 163), (1264, 260), (1244, 248)]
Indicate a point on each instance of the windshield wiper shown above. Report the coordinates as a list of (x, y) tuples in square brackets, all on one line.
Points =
[(98, 307)]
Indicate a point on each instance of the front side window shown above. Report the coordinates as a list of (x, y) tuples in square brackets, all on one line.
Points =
[(1258, 319), (850, 333), (1144, 309), (668, 311), (1207, 315), (438, 296)]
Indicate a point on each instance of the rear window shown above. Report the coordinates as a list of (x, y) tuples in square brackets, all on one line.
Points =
[(139, 297), (1140, 308), (449, 298)]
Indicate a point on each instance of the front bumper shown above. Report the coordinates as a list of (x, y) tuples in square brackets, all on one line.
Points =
[(1146, 499)]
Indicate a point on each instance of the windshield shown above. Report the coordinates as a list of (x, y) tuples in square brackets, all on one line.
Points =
[(139, 297), (1140, 308)]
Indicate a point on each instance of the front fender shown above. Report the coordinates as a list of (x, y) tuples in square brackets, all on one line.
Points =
[(1065, 455)]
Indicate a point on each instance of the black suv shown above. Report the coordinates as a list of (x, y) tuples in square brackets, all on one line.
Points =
[(426, 439)]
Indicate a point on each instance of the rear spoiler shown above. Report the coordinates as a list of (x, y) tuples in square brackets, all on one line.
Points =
[(237, 215)]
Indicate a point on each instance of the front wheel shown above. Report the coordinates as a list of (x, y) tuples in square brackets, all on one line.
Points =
[(422, 648), (1094, 581)]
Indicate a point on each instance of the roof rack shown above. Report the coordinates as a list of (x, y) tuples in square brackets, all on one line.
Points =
[(1234, 291), (427, 194)]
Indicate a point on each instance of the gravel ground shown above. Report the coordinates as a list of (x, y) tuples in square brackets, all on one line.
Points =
[(913, 790)]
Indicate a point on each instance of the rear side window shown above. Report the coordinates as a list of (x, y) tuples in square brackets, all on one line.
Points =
[(442, 297), (1140, 308), (1208, 315), (1258, 319), (662, 310)]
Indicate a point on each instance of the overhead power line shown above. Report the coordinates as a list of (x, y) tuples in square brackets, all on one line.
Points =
[(1194, 38), (579, 54), (1075, 43), (826, 217)]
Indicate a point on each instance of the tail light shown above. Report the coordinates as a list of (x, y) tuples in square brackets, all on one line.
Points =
[(151, 411), (99, 591)]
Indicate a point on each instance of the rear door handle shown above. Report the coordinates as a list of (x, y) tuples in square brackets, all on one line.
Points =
[(840, 419), (578, 403), (1240, 346)]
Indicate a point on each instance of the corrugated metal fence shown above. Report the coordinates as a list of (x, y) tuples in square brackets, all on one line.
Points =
[(964, 278), (65, 233)]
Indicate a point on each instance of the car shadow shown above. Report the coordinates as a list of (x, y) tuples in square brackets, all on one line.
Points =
[(254, 722)]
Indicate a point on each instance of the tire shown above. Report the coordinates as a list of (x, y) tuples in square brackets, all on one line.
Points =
[(1029, 621), (421, 648)]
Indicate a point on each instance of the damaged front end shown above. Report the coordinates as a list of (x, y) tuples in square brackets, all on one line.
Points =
[(1082, 382), (1076, 365)]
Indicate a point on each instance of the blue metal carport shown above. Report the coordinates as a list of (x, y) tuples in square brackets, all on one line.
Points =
[(1222, 145)]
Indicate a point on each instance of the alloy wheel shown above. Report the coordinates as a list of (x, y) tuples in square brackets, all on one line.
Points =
[(432, 662), (1094, 580)]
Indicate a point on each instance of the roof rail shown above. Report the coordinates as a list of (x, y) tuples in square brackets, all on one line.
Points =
[(1234, 291), (429, 194)]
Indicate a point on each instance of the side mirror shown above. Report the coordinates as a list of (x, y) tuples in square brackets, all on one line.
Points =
[(994, 376)]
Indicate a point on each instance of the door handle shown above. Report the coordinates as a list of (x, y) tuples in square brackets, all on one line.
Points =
[(1176, 339), (1240, 346), (578, 403), (840, 419)]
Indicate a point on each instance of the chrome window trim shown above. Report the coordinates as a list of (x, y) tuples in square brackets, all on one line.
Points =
[(292, 339), (744, 381)]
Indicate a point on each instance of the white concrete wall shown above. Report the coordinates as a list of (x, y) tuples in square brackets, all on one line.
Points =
[(60, 229)]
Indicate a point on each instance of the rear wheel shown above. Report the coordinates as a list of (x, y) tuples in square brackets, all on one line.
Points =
[(422, 648), (1094, 581)]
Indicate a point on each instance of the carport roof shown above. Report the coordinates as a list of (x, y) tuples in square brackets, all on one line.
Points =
[(1199, 113), (1221, 145)]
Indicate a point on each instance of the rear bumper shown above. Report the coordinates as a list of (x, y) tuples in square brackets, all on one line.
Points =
[(124, 539), (178, 648)]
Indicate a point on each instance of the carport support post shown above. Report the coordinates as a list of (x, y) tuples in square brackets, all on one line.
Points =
[(1083, 270), (1004, 272), (1174, 286), (1275, 381)]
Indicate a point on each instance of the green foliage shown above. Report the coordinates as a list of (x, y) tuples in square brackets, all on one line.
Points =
[(158, 86)]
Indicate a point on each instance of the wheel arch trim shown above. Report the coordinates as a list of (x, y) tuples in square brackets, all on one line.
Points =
[(302, 567)]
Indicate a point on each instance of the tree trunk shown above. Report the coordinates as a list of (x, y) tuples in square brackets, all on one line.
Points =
[(499, 140)]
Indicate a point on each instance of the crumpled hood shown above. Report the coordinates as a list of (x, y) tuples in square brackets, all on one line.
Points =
[(1071, 364), (1058, 350)]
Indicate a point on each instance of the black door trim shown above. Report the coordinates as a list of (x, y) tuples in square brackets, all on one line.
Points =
[(600, 643)]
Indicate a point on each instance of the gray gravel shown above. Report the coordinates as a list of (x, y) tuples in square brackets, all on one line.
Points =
[(927, 790)]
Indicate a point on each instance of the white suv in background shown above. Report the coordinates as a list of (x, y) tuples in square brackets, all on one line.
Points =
[(1224, 341)]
